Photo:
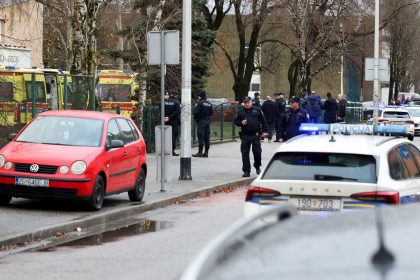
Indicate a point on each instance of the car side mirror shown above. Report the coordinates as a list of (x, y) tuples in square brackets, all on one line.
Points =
[(11, 136), (115, 144)]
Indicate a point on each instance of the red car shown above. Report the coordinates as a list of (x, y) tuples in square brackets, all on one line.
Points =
[(74, 154)]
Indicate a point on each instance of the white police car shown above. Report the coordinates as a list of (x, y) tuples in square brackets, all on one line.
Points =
[(394, 115), (339, 171)]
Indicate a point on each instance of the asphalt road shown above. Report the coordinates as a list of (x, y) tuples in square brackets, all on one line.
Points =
[(174, 235)]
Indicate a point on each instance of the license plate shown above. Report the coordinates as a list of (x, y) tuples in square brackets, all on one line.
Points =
[(316, 204), (31, 182)]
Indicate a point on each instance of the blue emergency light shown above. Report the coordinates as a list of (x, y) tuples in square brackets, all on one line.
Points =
[(354, 128)]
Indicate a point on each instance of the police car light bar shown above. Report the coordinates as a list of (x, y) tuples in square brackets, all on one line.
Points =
[(354, 128)]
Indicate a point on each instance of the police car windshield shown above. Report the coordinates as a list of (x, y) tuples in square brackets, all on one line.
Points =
[(331, 166), (396, 115)]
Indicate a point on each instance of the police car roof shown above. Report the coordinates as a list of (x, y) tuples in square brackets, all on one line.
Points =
[(348, 144)]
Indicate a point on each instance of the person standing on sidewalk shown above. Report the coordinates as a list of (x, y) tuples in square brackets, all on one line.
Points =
[(342, 103), (269, 110), (294, 117), (280, 106), (202, 115), (313, 106), (256, 101), (173, 116), (330, 109), (253, 126)]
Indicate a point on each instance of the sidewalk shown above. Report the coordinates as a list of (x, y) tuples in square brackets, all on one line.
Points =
[(25, 219)]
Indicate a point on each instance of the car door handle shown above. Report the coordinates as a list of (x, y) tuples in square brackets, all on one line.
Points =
[(125, 154)]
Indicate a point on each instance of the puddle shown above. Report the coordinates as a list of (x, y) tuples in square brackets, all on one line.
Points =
[(113, 235)]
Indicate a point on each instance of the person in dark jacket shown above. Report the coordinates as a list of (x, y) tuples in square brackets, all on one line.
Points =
[(294, 117), (173, 116), (280, 106), (330, 109), (342, 103), (313, 106), (253, 126), (256, 101), (269, 110), (202, 115)]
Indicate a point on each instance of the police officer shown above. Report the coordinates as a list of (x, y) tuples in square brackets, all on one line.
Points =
[(280, 105), (173, 116), (202, 115), (256, 101), (253, 126), (294, 117)]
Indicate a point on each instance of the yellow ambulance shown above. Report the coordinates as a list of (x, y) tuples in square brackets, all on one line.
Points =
[(117, 88)]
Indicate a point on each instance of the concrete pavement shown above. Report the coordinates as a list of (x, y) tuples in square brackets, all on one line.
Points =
[(27, 220)]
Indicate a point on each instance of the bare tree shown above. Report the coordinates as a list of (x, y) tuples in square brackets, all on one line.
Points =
[(402, 37)]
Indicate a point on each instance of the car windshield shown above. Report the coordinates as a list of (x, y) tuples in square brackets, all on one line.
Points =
[(322, 166), (414, 112), (396, 115), (69, 131)]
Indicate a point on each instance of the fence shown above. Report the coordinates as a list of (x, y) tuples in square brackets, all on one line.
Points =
[(222, 127)]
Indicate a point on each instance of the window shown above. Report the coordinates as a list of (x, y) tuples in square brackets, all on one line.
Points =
[(322, 166), (396, 115), (126, 132), (136, 135), (2, 31), (397, 169), (40, 95), (115, 93), (6, 91), (113, 132)]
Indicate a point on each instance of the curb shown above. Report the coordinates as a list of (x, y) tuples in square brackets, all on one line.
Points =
[(112, 215)]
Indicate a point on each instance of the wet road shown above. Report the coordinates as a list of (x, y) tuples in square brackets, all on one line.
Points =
[(158, 246)]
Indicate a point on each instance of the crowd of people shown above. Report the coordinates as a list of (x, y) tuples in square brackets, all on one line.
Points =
[(259, 120)]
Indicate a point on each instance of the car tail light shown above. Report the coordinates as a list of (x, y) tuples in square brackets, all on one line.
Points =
[(17, 113), (258, 192), (409, 122), (383, 121), (387, 197)]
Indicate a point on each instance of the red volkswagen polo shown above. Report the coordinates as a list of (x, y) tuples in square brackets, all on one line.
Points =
[(74, 154)]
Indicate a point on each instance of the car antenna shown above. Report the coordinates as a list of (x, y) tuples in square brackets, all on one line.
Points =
[(383, 259), (332, 139)]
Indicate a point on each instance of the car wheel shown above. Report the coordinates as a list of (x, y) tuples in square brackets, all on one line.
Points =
[(138, 192), (5, 199), (98, 192)]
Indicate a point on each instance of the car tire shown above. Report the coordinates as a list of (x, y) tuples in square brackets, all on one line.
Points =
[(139, 188), (5, 199), (96, 200)]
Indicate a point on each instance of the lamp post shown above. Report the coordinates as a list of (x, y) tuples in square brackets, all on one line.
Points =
[(376, 66), (185, 157)]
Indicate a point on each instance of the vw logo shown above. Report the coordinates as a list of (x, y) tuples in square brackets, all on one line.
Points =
[(34, 168)]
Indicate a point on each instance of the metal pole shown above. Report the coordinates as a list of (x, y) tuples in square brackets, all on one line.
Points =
[(376, 66), (65, 91), (185, 164), (162, 110), (342, 64), (33, 83)]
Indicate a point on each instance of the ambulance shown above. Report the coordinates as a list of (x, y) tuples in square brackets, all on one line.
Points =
[(116, 90), (16, 94)]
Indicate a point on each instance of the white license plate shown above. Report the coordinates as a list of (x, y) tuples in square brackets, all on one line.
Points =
[(31, 182), (316, 204)]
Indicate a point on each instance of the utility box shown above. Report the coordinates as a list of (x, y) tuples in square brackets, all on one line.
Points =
[(167, 156)]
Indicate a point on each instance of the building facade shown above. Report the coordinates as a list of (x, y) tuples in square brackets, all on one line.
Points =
[(21, 33)]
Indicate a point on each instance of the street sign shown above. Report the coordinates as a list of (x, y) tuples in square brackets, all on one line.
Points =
[(383, 69), (171, 47)]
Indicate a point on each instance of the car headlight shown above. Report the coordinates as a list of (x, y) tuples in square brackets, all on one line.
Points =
[(8, 165), (2, 160), (64, 169), (78, 167)]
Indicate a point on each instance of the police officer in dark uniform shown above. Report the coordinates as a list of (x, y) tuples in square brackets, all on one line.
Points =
[(253, 126), (280, 105), (294, 117), (256, 101), (173, 116), (202, 115)]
